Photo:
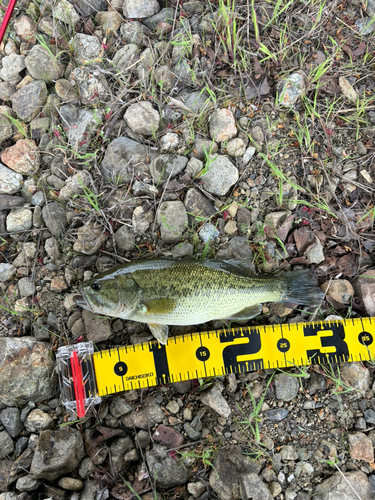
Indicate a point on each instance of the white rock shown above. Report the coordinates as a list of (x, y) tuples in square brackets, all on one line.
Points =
[(6, 271), (221, 175), (10, 182), (19, 220), (139, 9)]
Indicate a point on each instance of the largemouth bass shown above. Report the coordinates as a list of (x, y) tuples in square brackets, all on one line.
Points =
[(165, 292)]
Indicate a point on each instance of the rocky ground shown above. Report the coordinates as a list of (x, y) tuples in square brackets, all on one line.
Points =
[(131, 129)]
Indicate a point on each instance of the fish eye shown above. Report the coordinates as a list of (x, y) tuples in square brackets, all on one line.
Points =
[(96, 286)]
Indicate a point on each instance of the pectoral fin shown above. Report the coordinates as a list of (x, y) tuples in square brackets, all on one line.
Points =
[(160, 332), (248, 312)]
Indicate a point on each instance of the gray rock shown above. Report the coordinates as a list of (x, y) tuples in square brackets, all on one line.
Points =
[(92, 85), (124, 238), (7, 271), (125, 58), (80, 128), (166, 470), (27, 483), (75, 184), (356, 375), (26, 287), (122, 158), (203, 147), (38, 420), (252, 487), (288, 453), (142, 118), (142, 439), (38, 199), (65, 12), (42, 65), (9, 202), (6, 444), (133, 32), (221, 175), (173, 220), (90, 7), (86, 47), (194, 429), (8, 89), (19, 220), (166, 15), (167, 166), (169, 143), (182, 249), (54, 217), (139, 9), (292, 88), (197, 100), (193, 167), (12, 65), (119, 407), (28, 101), (229, 467), (142, 219), (370, 7), (90, 238), (343, 486), (5, 467), (65, 91), (198, 204), (97, 329), (146, 417), (277, 414), (208, 233), (196, 489), (119, 448), (58, 452), (316, 383), (88, 491), (10, 418), (6, 127), (303, 469), (222, 125), (164, 78), (10, 181), (25, 370), (239, 247), (214, 400), (365, 25), (236, 147), (316, 253), (184, 72), (286, 386)]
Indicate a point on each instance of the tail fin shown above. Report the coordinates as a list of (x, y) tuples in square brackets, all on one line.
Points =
[(301, 288)]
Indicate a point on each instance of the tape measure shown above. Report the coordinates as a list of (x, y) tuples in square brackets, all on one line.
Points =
[(85, 376)]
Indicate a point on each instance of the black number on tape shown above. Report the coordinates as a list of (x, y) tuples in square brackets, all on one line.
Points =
[(283, 345), (231, 352), (336, 340)]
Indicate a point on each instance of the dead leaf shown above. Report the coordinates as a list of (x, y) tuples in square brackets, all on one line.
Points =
[(304, 238), (361, 49), (264, 87), (348, 90), (257, 68)]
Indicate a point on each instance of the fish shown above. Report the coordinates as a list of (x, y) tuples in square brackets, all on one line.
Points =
[(162, 292)]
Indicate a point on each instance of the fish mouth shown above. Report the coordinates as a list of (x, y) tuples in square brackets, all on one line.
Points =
[(81, 301)]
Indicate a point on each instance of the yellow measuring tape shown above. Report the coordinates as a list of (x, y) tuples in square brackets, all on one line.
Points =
[(214, 353)]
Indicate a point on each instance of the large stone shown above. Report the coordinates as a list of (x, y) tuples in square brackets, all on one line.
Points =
[(125, 58), (356, 375), (74, 185), (252, 487), (25, 370), (197, 204), (229, 467), (139, 9), (343, 486), (6, 444), (222, 125), (10, 181), (364, 287), (65, 12), (286, 386), (123, 158), (340, 290), (142, 219), (97, 329), (90, 7), (7, 271), (22, 157), (214, 400), (145, 417), (58, 452), (6, 127), (167, 166), (90, 238), (142, 118), (133, 32), (173, 220), (361, 447), (292, 88), (19, 220), (65, 90), (80, 124), (92, 85), (43, 65), (25, 29), (124, 238), (28, 101), (86, 47), (165, 469), (12, 66), (221, 175), (10, 418), (54, 217), (109, 21)]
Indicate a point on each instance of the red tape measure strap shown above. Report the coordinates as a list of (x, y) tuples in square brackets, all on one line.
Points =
[(78, 384)]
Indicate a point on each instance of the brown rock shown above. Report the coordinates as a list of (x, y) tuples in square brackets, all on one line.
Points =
[(59, 284), (23, 157), (364, 287), (197, 204), (340, 290), (25, 29), (168, 436), (304, 238), (361, 447)]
